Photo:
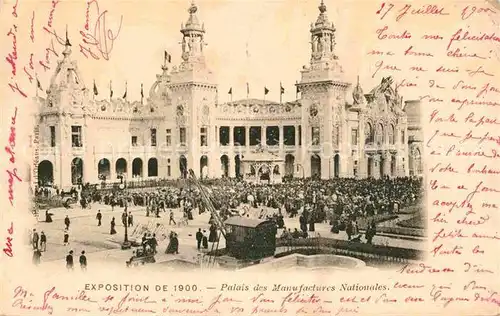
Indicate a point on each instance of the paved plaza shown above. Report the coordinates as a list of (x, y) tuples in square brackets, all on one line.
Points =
[(100, 246)]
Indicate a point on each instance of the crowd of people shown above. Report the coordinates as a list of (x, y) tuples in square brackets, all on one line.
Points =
[(339, 202)]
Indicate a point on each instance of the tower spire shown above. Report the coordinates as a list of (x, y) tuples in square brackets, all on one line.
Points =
[(67, 45), (193, 35), (322, 38)]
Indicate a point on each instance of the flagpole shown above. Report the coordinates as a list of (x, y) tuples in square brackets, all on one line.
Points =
[(296, 90), (93, 91), (110, 90), (281, 93), (142, 94)]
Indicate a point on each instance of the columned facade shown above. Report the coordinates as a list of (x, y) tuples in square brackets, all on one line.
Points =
[(180, 125)]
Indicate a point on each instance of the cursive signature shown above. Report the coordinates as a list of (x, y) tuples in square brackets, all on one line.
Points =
[(8, 244), (100, 38)]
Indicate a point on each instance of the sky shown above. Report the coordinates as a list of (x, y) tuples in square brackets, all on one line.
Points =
[(275, 33)]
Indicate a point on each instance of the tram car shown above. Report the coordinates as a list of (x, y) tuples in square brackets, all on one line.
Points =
[(250, 239)]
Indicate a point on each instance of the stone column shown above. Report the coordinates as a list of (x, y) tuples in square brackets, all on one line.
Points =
[(281, 137), (231, 165), (247, 137), (231, 138), (296, 136), (263, 140), (376, 170)]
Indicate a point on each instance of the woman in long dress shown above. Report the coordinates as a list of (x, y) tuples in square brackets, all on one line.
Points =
[(212, 237), (113, 231), (173, 245), (66, 237)]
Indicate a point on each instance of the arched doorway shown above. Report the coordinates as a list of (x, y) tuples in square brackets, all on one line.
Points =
[(104, 170), (415, 162), (289, 165), (77, 171), (183, 166), (264, 173), (315, 166), (152, 167), (382, 166), (336, 166), (137, 167), (121, 167), (45, 173), (369, 167), (276, 170), (393, 166), (204, 167), (224, 161), (237, 165)]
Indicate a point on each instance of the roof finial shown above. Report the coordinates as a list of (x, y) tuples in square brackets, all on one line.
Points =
[(322, 7), (358, 80), (67, 38)]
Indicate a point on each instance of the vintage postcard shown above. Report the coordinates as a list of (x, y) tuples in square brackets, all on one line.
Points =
[(227, 157)]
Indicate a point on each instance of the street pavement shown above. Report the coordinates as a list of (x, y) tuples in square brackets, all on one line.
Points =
[(100, 246)]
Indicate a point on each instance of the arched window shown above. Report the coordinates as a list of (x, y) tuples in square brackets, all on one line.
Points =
[(392, 134), (368, 133), (380, 134)]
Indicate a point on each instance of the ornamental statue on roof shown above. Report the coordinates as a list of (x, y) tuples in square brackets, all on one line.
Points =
[(193, 37), (358, 95)]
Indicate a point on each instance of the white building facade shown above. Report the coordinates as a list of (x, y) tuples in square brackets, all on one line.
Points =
[(180, 125)]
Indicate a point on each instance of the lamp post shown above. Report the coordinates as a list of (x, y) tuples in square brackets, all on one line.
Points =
[(126, 244)]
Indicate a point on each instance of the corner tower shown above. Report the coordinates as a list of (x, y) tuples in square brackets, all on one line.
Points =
[(194, 97), (324, 119)]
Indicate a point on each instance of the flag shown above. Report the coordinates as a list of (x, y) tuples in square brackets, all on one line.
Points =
[(266, 90), (168, 57), (38, 84), (230, 91), (282, 90), (125, 94), (95, 89), (142, 91), (110, 89)]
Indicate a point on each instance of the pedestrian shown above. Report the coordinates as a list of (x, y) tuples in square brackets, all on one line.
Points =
[(69, 261), (66, 237), (67, 222), (34, 239), (205, 240), (130, 219), (154, 243), (36, 256), (43, 241), (99, 217), (83, 261), (171, 218), (124, 218), (212, 237), (199, 238), (112, 230)]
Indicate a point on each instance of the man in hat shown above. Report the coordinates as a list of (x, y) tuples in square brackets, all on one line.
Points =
[(83, 261), (35, 239), (69, 261), (43, 242), (99, 217), (67, 222), (199, 238)]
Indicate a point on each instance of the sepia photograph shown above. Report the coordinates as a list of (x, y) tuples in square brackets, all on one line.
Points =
[(318, 168)]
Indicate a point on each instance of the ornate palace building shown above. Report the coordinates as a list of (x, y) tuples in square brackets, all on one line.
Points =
[(180, 125)]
